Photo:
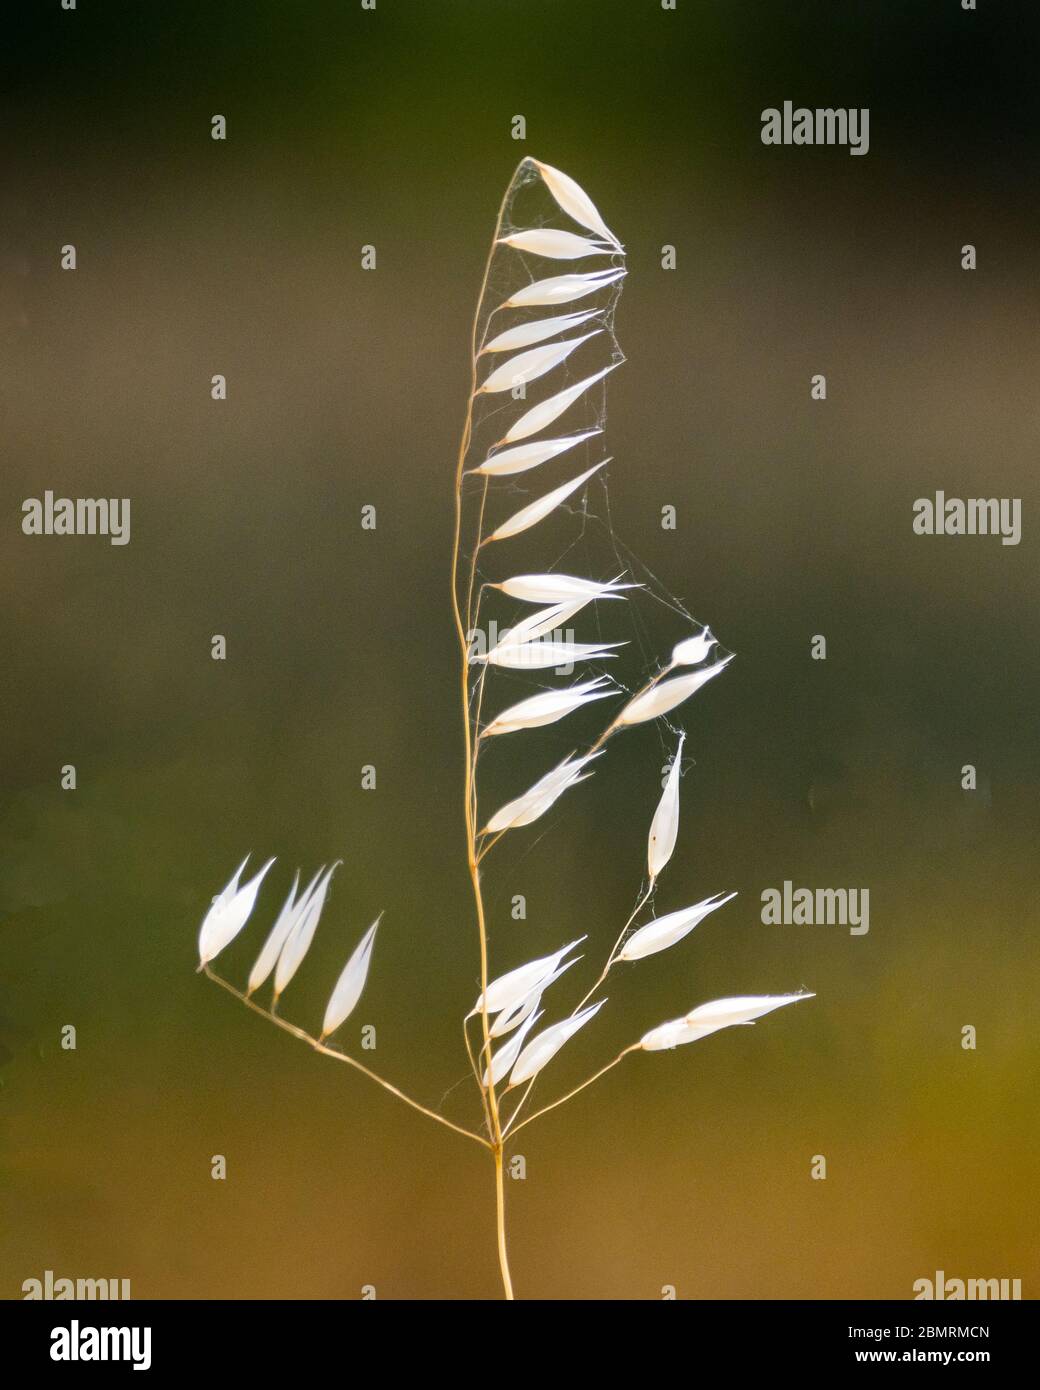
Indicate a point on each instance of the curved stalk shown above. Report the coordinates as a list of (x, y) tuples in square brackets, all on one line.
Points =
[(617, 945), (512, 1128), (462, 625), (326, 1051)]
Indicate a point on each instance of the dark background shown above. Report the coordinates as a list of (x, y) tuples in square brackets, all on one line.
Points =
[(346, 388)]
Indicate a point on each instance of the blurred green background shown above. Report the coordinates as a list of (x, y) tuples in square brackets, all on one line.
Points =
[(347, 388)]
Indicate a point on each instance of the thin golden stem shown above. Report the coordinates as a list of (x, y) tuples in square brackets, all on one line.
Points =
[(476, 739), (511, 1122), (473, 1068), (473, 566), (514, 1129), (462, 626), (489, 845), (500, 1223), (617, 945), (319, 1046)]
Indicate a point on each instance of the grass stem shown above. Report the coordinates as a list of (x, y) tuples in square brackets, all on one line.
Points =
[(332, 1052), (463, 623)]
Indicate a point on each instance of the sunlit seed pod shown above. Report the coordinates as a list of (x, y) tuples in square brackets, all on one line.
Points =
[(539, 798), (351, 982), (542, 415), (284, 922), (299, 940), (693, 650), (229, 913), (506, 1055), (558, 588), (558, 246), (710, 1018), (547, 708), (530, 365), (663, 932), (561, 289), (525, 334), (544, 621), (513, 987), (667, 695), (512, 1018), (665, 825), (543, 654), (536, 511), (524, 457), (575, 201), (542, 1049)]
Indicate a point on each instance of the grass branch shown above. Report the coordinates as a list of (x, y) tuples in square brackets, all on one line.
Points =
[(338, 1056), (513, 1128), (579, 1006)]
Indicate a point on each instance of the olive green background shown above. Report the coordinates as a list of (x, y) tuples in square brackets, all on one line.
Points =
[(347, 388)]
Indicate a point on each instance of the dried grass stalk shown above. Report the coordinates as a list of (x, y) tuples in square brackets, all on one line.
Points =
[(509, 1007)]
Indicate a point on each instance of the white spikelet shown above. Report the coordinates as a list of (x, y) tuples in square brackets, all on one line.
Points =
[(575, 201), (548, 707), (562, 289), (558, 588), (524, 334), (663, 697), (541, 416), (538, 510), (231, 888), (512, 1018), (558, 246), (539, 624), (507, 1054), (284, 923), (665, 825), (744, 1008), (526, 456), (506, 1022), (709, 1018), (350, 984), (544, 794), (663, 932), (530, 365), (545, 1046), (512, 989), (298, 942), (229, 914), (543, 654), (693, 650), (666, 1036)]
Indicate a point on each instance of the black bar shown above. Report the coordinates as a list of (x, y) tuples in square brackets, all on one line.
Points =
[(296, 1338)]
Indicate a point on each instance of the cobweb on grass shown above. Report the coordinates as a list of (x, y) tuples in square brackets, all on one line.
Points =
[(594, 549)]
